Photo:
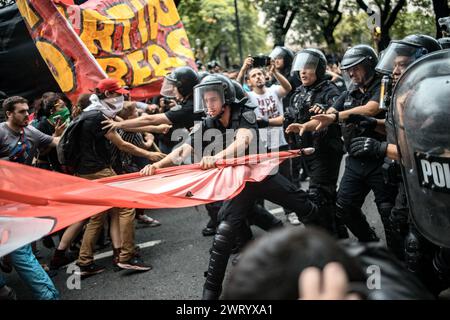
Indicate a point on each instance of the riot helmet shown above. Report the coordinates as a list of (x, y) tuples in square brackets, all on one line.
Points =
[(313, 59), (444, 42), (401, 53), (214, 92), (363, 56), (421, 117), (240, 92), (183, 79), (286, 55)]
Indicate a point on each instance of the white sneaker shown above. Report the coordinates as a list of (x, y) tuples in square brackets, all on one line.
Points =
[(293, 219)]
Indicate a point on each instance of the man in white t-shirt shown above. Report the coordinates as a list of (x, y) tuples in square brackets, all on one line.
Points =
[(269, 104), (269, 112)]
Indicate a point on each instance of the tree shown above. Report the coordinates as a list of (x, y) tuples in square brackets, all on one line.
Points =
[(213, 23), (388, 11), (441, 10), (279, 15)]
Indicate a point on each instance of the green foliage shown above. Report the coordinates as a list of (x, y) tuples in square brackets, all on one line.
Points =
[(213, 22)]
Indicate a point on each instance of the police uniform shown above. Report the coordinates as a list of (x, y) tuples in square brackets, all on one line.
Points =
[(234, 212), (362, 174), (323, 165)]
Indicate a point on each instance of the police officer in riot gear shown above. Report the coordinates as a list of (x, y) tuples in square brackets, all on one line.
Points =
[(216, 96), (283, 58), (259, 215), (408, 244), (362, 171), (421, 115), (316, 94)]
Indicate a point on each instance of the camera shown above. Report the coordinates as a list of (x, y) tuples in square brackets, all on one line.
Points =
[(261, 61)]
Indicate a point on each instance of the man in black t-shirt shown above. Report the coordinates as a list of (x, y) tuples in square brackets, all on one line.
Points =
[(95, 163)]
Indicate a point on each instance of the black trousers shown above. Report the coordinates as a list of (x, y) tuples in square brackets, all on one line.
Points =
[(276, 189), (362, 175)]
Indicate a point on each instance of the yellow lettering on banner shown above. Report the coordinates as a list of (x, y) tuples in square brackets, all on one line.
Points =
[(153, 25), (141, 68), (169, 17), (160, 61), (58, 65), (27, 13), (174, 42), (61, 11), (122, 13), (114, 67), (142, 24), (97, 31)]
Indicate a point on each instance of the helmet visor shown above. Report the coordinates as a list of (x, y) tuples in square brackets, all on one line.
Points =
[(277, 52), (168, 89), (209, 98), (305, 60), (398, 55)]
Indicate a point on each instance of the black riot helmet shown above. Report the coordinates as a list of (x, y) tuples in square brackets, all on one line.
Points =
[(283, 53), (183, 78), (444, 42), (240, 92), (313, 59), (214, 88), (363, 55), (202, 75), (401, 53), (421, 117)]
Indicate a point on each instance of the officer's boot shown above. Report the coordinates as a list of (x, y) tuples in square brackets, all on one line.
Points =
[(220, 253), (414, 251), (213, 210), (357, 223), (262, 218), (396, 229)]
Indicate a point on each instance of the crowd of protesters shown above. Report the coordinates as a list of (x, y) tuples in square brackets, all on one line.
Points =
[(300, 100)]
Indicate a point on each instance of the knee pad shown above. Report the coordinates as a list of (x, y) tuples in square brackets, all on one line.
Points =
[(224, 238)]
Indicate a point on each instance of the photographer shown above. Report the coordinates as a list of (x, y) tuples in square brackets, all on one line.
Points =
[(269, 111)]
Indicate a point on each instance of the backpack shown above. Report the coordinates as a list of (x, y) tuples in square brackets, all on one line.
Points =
[(68, 148)]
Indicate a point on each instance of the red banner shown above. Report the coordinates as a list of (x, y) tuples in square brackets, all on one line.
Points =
[(29, 192)]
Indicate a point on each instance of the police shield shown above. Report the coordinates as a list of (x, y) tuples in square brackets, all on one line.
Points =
[(422, 118)]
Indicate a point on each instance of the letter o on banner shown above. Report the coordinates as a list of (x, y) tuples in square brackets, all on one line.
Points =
[(58, 64)]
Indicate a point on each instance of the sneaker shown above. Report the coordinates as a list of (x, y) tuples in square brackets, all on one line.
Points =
[(148, 221), (293, 219), (136, 264), (90, 270)]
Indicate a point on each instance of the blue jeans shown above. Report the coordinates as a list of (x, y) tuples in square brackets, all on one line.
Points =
[(31, 272)]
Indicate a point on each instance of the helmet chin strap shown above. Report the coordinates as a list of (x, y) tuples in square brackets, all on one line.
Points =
[(217, 117)]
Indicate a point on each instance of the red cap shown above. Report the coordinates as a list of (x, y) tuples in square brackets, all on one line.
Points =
[(111, 85)]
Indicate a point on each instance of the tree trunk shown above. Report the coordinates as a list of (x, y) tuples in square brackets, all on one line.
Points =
[(441, 10)]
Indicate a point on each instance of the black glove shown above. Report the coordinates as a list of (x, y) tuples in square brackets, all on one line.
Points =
[(363, 146), (262, 123), (365, 122)]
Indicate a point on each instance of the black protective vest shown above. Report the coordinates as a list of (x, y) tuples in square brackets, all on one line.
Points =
[(354, 99), (324, 94)]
